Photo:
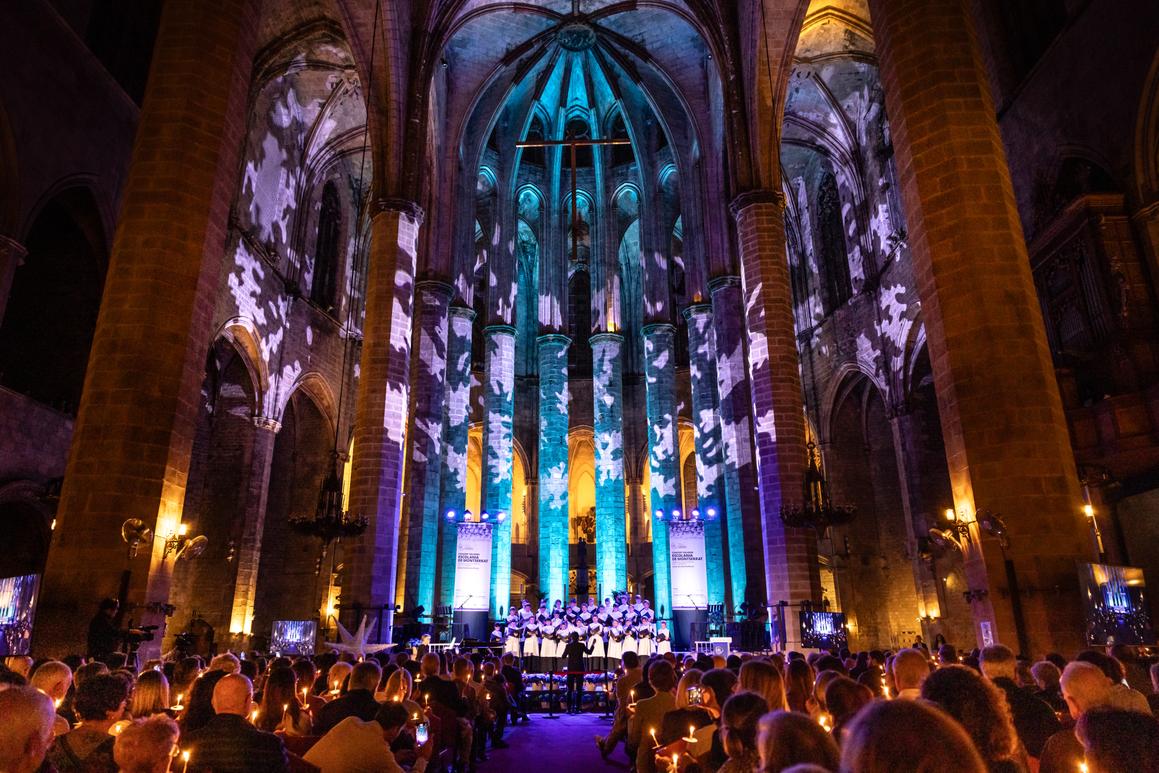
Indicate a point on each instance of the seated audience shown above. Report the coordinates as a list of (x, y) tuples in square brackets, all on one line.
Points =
[(786, 739), (650, 712), (1084, 687), (799, 679), (357, 702), (54, 679), (738, 731), (907, 736), (199, 702), (1117, 740), (281, 709), (844, 698), (358, 746), (1034, 719), (910, 668), (101, 701), (982, 711), (765, 680), (228, 743), (147, 745), (26, 730), (1046, 676), (150, 695)]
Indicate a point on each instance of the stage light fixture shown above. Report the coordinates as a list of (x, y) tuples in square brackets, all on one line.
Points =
[(450, 515), (712, 512), (501, 517), (675, 513), (486, 516)]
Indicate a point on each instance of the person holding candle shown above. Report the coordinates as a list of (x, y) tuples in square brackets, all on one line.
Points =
[(54, 679), (147, 745), (151, 696), (281, 710), (786, 738), (357, 702), (738, 731), (100, 703), (650, 713), (632, 674), (228, 743)]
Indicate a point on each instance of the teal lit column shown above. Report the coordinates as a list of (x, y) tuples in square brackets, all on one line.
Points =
[(608, 405), (553, 422), (499, 408), (428, 373), (456, 420), (723, 536), (663, 451)]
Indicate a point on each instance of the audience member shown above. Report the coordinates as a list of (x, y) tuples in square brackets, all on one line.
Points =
[(146, 745), (364, 746), (357, 702), (1034, 719), (738, 731), (910, 668), (100, 702), (281, 709), (54, 679), (799, 686), (1046, 676), (228, 743), (1119, 740), (981, 709), (150, 695), (844, 698), (765, 680), (633, 673), (786, 739), (650, 713), (907, 736), (26, 730), (1084, 687)]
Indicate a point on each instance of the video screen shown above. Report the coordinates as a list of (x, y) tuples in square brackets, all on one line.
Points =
[(294, 637), (1115, 598), (823, 630), (17, 598)]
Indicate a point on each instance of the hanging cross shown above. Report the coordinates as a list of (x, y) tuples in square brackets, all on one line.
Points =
[(573, 144)]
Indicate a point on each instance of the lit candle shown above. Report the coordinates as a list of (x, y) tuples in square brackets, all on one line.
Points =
[(823, 721), (56, 703), (254, 716), (1082, 767), (414, 717), (427, 698), (185, 760), (334, 689), (655, 743), (675, 761), (305, 696), (285, 708), (178, 706)]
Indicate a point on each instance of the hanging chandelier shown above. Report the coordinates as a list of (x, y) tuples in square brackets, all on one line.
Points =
[(817, 510), (330, 522)]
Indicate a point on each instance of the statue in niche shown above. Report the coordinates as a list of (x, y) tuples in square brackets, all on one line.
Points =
[(585, 525)]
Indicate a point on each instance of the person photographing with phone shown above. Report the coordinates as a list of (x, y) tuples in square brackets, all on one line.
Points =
[(354, 746)]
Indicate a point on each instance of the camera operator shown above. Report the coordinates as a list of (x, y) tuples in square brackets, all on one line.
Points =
[(105, 634)]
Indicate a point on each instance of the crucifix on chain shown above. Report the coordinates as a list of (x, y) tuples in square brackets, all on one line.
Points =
[(575, 143)]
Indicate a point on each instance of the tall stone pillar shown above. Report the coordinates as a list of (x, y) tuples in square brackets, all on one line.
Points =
[(742, 503), (723, 533), (253, 516), (498, 453), (608, 408), (133, 435), (553, 476), (1006, 437), (424, 463), (12, 255), (456, 423), (663, 450), (381, 405), (792, 572)]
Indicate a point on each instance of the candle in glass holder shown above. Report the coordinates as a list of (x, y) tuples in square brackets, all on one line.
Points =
[(334, 689), (691, 737)]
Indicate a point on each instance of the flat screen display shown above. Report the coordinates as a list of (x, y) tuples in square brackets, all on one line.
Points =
[(1115, 601)]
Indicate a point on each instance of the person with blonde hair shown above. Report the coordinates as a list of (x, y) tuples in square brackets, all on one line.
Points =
[(226, 662), (907, 736), (691, 678), (786, 738), (150, 696), (147, 745), (763, 678)]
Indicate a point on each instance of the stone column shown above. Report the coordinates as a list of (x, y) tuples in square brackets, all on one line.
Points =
[(1007, 445), (498, 451), (663, 451), (723, 532), (12, 255), (553, 476), (742, 505), (253, 511), (429, 368), (134, 431), (381, 405), (608, 407), (792, 572), (456, 423)]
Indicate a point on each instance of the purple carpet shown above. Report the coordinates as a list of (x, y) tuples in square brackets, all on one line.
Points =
[(563, 745)]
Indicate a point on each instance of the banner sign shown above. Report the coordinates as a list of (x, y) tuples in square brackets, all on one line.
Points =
[(473, 567), (689, 580)]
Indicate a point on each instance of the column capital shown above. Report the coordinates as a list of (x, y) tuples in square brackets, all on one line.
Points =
[(406, 207), (658, 327), (499, 328), (436, 286), (611, 338), (754, 198), (693, 309), (723, 282), (13, 249), (553, 338), (267, 423), (466, 312)]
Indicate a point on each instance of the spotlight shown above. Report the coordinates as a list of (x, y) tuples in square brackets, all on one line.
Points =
[(712, 512), (486, 516), (468, 515), (450, 515), (696, 512), (660, 514), (675, 513), (501, 517)]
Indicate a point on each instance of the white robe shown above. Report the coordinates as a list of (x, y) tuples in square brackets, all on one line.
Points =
[(615, 648)]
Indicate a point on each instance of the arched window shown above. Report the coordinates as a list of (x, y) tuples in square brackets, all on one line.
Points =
[(831, 235), (324, 285)]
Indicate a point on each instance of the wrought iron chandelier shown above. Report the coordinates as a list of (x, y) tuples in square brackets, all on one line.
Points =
[(816, 510), (330, 521)]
